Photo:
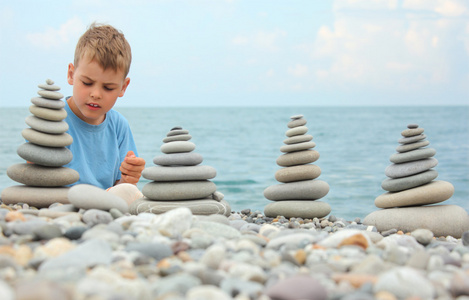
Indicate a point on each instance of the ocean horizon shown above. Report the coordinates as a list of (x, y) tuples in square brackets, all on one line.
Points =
[(243, 143)]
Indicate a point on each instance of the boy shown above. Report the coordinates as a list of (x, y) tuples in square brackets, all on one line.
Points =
[(104, 151)]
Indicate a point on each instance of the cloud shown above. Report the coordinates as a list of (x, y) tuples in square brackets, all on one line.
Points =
[(447, 8), (298, 70), (261, 40), (6, 16), (239, 40), (396, 50), (53, 38), (365, 4)]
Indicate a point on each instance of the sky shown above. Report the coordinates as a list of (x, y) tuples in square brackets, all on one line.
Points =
[(197, 53)]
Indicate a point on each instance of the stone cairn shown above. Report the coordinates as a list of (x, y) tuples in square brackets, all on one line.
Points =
[(179, 180), (411, 189), (44, 178), (299, 189)]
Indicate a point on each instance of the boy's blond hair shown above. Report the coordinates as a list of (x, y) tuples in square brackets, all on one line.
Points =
[(107, 46)]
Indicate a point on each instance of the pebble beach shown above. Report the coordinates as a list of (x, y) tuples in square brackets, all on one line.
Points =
[(62, 252)]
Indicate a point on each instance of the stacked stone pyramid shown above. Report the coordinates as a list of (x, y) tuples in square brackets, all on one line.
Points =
[(300, 189), (412, 189), (178, 180), (44, 178)]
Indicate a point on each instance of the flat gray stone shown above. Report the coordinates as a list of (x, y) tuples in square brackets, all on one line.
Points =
[(50, 94), (79, 260), (297, 209), (297, 158), (294, 117), (433, 192), (442, 220), (410, 168), (177, 147), (296, 131), (48, 87), (47, 103), (35, 196), (296, 122), (405, 183), (36, 175), (300, 190), (178, 131), (297, 173), (180, 137), (179, 173), (178, 159), (179, 190), (298, 139), (417, 154), (53, 127), (412, 139), (45, 156), (45, 139), (297, 147), (412, 146), (87, 196), (48, 113), (198, 206), (412, 132)]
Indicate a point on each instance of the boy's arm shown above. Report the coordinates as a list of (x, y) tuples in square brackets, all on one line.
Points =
[(131, 168)]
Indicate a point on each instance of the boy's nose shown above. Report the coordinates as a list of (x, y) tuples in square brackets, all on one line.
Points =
[(95, 94)]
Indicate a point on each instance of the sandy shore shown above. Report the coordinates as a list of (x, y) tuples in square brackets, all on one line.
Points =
[(64, 253)]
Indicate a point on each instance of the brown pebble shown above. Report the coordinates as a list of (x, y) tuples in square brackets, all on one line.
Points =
[(128, 274), (356, 280), (184, 256), (355, 240), (14, 215), (384, 295), (300, 256), (164, 264)]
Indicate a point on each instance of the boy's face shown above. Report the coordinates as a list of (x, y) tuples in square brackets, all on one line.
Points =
[(95, 90)]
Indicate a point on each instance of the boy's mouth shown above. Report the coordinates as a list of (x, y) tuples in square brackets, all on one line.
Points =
[(93, 106)]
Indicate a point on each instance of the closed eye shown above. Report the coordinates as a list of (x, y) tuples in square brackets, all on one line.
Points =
[(87, 83)]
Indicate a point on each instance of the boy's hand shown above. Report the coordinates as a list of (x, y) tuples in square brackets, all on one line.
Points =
[(131, 168)]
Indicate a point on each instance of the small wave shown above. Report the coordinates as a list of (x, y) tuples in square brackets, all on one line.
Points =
[(234, 182)]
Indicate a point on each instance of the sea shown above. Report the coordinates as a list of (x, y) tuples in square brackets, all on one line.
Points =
[(243, 144)]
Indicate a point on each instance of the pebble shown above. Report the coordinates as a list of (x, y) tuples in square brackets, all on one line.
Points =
[(442, 220), (47, 103), (410, 168), (178, 254), (297, 173), (178, 190), (307, 189), (297, 158), (37, 175), (178, 159), (91, 197), (48, 140), (46, 126), (177, 147), (433, 192), (45, 156), (159, 173), (48, 114)]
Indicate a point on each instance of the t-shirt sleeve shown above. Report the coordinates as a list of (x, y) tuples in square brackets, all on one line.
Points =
[(125, 140)]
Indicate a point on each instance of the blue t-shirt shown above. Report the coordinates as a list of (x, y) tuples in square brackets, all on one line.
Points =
[(98, 150)]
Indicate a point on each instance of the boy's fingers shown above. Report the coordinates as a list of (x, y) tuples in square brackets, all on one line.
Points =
[(136, 161)]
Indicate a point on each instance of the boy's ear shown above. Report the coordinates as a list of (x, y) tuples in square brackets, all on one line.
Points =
[(70, 72), (124, 87)]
